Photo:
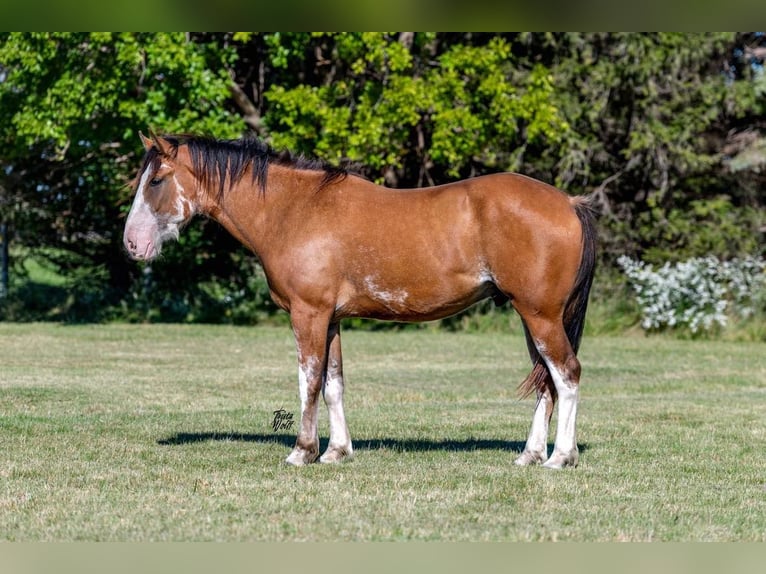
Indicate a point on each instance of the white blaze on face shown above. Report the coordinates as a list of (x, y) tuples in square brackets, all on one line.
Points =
[(145, 228), (141, 228)]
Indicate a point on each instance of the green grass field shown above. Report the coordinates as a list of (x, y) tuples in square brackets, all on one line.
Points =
[(149, 432)]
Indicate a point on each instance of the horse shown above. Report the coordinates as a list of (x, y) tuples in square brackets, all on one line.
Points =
[(334, 245)]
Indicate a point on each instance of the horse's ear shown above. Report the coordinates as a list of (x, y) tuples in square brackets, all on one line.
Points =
[(162, 145), (148, 143)]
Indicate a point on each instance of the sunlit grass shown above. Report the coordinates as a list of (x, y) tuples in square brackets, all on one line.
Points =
[(141, 432)]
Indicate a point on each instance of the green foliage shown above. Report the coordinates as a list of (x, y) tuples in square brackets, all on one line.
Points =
[(73, 104), (666, 130), (467, 106), (698, 228), (59, 87)]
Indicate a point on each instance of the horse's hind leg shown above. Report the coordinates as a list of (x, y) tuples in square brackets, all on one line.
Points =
[(552, 344), (339, 447), (536, 448)]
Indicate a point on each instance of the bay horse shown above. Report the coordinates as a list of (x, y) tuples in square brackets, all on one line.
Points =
[(334, 245)]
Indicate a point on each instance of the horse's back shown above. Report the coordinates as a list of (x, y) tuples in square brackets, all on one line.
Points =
[(518, 193), (471, 218)]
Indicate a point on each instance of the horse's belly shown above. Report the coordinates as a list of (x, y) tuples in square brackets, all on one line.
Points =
[(411, 302)]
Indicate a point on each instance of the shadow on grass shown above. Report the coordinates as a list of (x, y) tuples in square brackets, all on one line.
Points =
[(401, 445)]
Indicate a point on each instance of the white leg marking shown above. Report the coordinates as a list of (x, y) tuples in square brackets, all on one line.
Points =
[(565, 447), (340, 440), (305, 374), (303, 386), (308, 424), (536, 449)]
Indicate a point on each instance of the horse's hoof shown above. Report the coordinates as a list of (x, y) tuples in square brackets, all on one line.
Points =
[(337, 454), (559, 460), (301, 457), (528, 458)]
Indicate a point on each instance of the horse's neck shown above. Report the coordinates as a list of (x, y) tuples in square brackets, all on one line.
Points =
[(259, 218)]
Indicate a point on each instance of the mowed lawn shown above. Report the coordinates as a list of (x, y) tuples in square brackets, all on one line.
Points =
[(163, 432)]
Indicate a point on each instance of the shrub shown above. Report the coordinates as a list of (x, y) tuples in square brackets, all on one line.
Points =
[(700, 293)]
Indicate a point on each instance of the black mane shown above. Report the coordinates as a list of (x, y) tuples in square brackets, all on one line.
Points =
[(220, 163)]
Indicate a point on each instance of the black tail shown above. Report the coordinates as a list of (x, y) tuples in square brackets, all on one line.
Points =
[(577, 305)]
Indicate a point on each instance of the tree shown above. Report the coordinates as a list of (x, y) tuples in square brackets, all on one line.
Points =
[(650, 116), (412, 109), (73, 104), (666, 129), (641, 120)]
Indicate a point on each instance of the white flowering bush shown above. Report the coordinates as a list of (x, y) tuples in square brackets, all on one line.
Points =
[(700, 293)]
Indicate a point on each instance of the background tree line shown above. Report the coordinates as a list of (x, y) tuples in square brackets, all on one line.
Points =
[(668, 130)]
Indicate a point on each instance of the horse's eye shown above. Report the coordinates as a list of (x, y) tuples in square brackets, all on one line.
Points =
[(155, 182)]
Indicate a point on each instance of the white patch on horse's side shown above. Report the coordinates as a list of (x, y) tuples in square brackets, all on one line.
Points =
[(397, 296)]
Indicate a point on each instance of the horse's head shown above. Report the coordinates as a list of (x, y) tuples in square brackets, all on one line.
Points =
[(165, 199)]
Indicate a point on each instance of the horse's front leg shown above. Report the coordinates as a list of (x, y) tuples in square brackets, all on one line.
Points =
[(339, 448), (311, 331)]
